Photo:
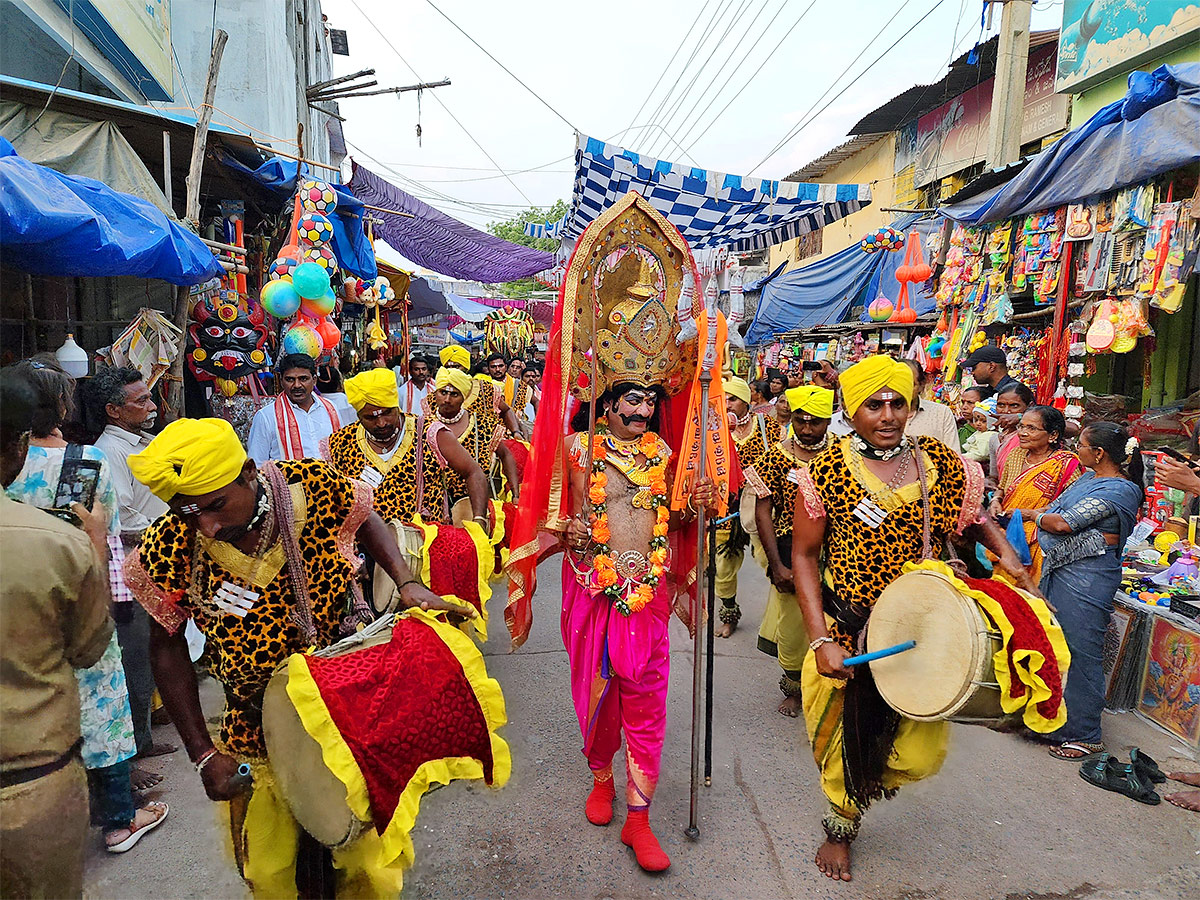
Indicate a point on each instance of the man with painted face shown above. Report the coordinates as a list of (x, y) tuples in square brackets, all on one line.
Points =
[(293, 425), (873, 501), (259, 559), (774, 478)]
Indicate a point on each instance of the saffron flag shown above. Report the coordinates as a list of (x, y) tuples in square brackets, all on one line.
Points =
[(714, 443)]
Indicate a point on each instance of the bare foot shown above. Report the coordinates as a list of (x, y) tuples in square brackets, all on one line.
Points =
[(1185, 800), (1192, 778), (141, 780), (791, 706), (833, 859), (157, 749), (724, 630)]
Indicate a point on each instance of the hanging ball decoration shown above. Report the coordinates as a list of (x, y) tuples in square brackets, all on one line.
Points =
[(279, 299), (303, 339), (879, 310), (318, 196), (869, 243), (310, 280), (321, 306), (285, 263), (329, 333), (322, 256), (314, 229)]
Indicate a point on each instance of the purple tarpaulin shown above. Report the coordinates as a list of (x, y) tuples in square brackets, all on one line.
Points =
[(441, 243)]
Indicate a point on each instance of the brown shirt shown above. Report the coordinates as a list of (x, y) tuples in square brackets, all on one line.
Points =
[(53, 617)]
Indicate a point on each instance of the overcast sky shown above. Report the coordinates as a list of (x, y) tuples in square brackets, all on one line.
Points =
[(596, 64)]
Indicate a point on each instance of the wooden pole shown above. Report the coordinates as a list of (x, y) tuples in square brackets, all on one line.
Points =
[(191, 217), (167, 169)]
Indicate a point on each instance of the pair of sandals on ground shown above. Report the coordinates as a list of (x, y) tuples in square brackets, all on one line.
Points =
[(1135, 779)]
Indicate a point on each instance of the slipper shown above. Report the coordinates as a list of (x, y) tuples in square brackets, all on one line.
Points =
[(1146, 767), (1113, 775), (157, 749), (136, 835), (1085, 750)]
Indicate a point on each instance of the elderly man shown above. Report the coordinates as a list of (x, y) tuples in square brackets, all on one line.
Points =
[(293, 425), (119, 397), (873, 501), (928, 418), (258, 559)]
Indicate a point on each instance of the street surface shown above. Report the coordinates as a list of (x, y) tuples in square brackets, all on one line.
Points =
[(1001, 820)]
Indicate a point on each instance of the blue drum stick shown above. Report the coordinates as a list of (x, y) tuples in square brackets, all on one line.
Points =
[(242, 779), (878, 654)]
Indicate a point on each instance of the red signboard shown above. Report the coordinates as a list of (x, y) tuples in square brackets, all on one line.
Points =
[(954, 136)]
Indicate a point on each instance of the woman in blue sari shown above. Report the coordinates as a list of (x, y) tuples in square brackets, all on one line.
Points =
[(1082, 534)]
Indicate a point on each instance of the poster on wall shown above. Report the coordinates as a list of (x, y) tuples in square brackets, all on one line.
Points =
[(1105, 38), (1170, 694), (135, 36)]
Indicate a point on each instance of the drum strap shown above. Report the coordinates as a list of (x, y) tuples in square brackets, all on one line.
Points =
[(922, 479)]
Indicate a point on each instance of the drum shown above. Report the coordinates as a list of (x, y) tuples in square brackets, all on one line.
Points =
[(949, 674), (746, 505)]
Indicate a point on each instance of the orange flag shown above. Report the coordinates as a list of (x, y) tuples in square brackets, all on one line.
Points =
[(715, 444)]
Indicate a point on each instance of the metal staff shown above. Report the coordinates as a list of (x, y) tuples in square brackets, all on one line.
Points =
[(708, 652), (693, 829)]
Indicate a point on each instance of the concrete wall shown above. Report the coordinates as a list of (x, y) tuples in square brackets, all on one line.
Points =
[(874, 165)]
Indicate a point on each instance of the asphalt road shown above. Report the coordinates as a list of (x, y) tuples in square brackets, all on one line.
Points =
[(1001, 820)]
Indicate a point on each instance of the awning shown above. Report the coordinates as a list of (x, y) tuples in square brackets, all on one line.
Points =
[(822, 293), (1154, 129), (710, 209), (439, 242), (55, 224), (350, 244), (430, 298)]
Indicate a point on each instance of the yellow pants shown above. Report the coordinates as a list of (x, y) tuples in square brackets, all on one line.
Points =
[(783, 633), (917, 752), (728, 566)]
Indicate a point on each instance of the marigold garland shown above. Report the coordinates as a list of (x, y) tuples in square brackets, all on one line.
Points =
[(632, 596)]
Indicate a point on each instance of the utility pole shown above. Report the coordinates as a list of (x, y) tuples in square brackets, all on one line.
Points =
[(1008, 92)]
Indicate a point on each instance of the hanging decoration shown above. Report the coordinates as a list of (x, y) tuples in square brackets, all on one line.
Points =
[(886, 238), (509, 331), (914, 271)]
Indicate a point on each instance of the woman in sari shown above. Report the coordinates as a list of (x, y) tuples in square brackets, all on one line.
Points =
[(1081, 535), (1036, 472), (1011, 404)]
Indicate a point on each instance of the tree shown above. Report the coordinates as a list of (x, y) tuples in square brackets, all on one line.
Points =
[(513, 230)]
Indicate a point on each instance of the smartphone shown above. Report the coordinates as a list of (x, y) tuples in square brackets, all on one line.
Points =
[(77, 484), (1179, 457), (811, 366)]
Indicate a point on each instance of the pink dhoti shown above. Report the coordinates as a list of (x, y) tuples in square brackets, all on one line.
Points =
[(620, 668)]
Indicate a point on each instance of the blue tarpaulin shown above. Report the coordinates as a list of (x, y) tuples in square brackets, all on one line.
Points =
[(350, 245), (1155, 128), (822, 293), (55, 224)]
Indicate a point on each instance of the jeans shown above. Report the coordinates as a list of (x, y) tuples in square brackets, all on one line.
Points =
[(112, 796)]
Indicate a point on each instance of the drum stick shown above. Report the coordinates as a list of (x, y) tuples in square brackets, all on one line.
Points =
[(242, 779), (878, 654)]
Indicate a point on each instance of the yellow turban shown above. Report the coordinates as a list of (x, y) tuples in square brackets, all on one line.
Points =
[(874, 373), (816, 401), (191, 457), (737, 387), (455, 354), (454, 378), (377, 387)]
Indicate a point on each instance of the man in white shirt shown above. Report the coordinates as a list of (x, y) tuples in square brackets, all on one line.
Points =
[(293, 425), (118, 399), (928, 418), (415, 387)]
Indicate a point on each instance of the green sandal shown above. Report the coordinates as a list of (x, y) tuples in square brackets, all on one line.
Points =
[(1106, 772), (1146, 767)]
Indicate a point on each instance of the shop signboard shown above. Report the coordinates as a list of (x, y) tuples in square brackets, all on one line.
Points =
[(1102, 39), (954, 136), (135, 36)]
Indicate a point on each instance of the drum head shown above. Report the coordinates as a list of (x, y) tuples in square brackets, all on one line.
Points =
[(934, 679)]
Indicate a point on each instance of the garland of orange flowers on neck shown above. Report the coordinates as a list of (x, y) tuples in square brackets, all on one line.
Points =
[(632, 596)]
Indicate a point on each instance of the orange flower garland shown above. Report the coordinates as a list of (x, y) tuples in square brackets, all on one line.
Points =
[(632, 596)]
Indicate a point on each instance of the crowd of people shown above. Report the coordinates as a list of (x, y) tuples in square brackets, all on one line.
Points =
[(203, 551)]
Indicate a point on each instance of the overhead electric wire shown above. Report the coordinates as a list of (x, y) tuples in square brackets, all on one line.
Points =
[(400, 56)]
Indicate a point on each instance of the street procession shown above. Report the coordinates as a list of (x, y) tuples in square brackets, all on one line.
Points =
[(789, 490)]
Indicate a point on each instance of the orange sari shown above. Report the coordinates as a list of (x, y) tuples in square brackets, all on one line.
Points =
[(1036, 487)]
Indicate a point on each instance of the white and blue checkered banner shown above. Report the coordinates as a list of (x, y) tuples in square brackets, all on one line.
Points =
[(710, 209)]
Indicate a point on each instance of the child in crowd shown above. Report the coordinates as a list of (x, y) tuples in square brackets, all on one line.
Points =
[(983, 424)]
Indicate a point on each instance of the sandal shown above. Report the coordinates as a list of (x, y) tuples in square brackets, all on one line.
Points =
[(156, 807), (1074, 751), (1146, 767), (1121, 778)]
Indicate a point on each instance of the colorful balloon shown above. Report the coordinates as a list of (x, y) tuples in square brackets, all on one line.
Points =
[(315, 229), (310, 280), (303, 339), (279, 298), (880, 308), (320, 307), (318, 196), (329, 332)]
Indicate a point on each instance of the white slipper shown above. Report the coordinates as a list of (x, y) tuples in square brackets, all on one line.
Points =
[(135, 836)]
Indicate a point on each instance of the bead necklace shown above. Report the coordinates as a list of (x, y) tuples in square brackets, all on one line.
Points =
[(865, 448), (451, 421)]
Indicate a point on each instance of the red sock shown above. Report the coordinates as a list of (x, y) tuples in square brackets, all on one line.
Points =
[(637, 834), (599, 809)]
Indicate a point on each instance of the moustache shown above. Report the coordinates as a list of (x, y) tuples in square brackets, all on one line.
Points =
[(629, 420)]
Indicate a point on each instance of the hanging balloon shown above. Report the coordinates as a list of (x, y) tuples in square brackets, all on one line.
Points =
[(279, 299), (285, 263), (330, 334), (318, 196), (314, 229), (323, 257), (880, 308), (320, 307), (310, 280), (302, 339)]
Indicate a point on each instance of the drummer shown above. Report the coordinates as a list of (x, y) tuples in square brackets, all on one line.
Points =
[(261, 559), (861, 505)]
